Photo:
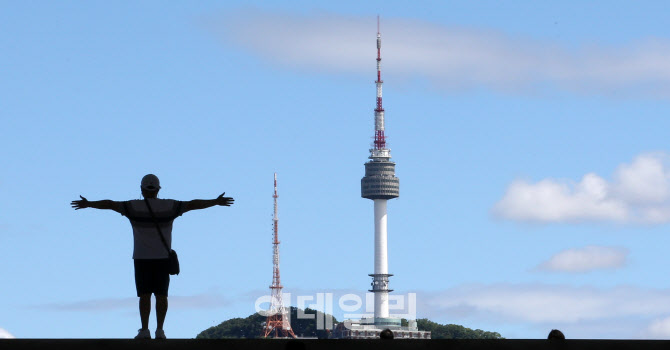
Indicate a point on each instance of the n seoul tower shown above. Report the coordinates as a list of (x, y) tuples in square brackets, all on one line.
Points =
[(380, 184)]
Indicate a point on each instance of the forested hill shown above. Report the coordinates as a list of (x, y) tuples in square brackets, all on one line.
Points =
[(454, 331), (252, 327)]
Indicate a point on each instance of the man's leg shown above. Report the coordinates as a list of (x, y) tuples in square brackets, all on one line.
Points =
[(145, 309), (161, 310)]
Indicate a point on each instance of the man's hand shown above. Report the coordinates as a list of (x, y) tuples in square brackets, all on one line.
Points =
[(225, 201), (80, 204)]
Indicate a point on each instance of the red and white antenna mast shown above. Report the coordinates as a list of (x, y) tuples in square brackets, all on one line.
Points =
[(278, 323), (380, 139)]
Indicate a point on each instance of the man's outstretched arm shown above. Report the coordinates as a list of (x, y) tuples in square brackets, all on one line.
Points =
[(206, 203), (103, 204)]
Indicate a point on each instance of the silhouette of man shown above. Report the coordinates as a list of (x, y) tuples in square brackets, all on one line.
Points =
[(555, 334), (386, 334), (149, 253)]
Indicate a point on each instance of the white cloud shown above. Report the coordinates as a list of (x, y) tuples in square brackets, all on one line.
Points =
[(549, 303), (552, 201), (5, 334), (103, 304), (646, 180), (450, 57), (199, 301), (541, 306), (586, 259), (659, 328), (639, 193)]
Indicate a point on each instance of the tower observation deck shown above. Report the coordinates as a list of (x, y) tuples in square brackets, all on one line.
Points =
[(380, 181)]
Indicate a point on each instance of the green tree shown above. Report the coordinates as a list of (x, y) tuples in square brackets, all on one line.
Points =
[(454, 331)]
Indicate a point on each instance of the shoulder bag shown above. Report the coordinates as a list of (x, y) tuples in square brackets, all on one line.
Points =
[(174, 261)]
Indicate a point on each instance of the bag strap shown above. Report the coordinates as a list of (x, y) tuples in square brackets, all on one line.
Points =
[(157, 226)]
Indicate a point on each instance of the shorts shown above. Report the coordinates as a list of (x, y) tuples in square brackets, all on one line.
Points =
[(152, 276)]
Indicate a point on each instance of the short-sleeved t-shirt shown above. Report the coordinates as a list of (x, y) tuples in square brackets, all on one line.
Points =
[(147, 241)]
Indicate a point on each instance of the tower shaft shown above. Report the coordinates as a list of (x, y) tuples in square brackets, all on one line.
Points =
[(381, 238), (278, 323), (380, 277)]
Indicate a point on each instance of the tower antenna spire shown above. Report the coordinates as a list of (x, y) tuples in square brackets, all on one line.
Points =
[(380, 139), (278, 323)]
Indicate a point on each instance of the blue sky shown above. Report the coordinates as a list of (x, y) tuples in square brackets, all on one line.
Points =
[(530, 141)]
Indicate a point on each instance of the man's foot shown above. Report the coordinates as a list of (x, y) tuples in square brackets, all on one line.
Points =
[(143, 334), (160, 334)]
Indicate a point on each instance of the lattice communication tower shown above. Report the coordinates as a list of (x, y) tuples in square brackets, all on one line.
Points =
[(278, 323)]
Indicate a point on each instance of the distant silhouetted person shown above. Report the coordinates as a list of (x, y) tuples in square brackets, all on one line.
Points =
[(386, 334), (150, 254), (556, 334)]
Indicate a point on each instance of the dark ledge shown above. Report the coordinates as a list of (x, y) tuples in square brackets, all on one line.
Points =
[(347, 344)]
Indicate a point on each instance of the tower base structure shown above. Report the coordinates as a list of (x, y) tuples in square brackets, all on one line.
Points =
[(370, 328)]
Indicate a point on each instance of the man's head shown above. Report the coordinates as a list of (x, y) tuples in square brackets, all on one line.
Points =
[(150, 186), (386, 334), (556, 334)]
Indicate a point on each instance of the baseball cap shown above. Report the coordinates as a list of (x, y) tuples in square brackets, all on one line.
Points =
[(150, 182)]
